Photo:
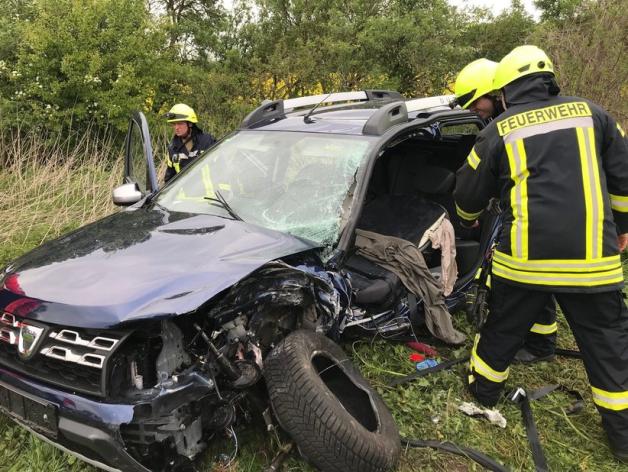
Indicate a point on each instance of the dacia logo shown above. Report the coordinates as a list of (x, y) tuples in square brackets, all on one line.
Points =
[(28, 340)]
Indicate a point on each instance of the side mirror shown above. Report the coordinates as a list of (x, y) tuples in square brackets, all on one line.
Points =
[(126, 194)]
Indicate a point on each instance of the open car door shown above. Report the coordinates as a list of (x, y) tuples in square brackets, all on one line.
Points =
[(140, 177), (139, 165)]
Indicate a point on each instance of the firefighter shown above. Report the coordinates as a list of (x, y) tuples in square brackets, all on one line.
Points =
[(559, 166), (474, 91), (188, 141), (473, 88)]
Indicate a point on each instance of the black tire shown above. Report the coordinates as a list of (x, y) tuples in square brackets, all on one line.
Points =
[(339, 423)]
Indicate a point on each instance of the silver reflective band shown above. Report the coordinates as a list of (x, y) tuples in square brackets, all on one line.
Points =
[(518, 201), (543, 128), (610, 262)]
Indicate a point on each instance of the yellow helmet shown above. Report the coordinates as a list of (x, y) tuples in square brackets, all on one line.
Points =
[(473, 81), (521, 61), (181, 112)]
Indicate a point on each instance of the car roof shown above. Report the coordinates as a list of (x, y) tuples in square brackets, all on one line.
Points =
[(352, 113)]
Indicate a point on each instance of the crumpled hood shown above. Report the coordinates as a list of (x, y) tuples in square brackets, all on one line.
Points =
[(139, 264)]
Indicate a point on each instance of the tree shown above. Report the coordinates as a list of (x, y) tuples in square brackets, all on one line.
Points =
[(495, 36), (81, 61)]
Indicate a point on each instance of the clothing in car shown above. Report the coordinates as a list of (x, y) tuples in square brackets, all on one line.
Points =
[(405, 260), (560, 168), (182, 152)]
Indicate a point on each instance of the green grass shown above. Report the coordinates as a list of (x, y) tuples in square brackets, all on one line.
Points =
[(38, 202)]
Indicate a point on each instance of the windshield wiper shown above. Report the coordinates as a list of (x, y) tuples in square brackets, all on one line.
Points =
[(223, 203)]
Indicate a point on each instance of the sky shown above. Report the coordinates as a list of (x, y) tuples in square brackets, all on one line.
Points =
[(496, 6)]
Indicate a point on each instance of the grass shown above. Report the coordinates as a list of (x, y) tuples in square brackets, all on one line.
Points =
[(50, 190)]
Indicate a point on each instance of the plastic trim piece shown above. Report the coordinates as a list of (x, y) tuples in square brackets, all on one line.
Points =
[(266, 113), (386, 117)]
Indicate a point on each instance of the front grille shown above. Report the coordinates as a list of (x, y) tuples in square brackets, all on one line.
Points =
[(75, 359)]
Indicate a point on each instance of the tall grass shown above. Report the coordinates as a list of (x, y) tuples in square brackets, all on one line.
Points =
[(47, 189)]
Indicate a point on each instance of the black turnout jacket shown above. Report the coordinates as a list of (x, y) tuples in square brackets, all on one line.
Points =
[(559, 166), (178, 154)]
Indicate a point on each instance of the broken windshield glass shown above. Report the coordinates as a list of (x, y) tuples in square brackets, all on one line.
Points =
[(292, 182)]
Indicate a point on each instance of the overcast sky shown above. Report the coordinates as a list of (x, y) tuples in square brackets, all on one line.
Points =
[(496, 6)]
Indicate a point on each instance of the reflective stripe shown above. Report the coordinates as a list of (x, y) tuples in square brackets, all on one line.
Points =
[(610, 400), (619, 203), (548, 114), (480, 367), (467, 216), (518, 198), (594, 203), (177, 167), (473, 159), (558, 265), (522, 133), (609, 277), (207, 181), (621, 131), (539, 328)]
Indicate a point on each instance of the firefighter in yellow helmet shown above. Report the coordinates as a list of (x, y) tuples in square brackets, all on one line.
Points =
[(559, 166), (188, 141), (474, 91), (473, 88)]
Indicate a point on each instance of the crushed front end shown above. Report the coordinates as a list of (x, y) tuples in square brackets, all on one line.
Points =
[(150, 395)]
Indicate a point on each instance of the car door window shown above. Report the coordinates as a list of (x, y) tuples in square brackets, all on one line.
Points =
[(139, 164)]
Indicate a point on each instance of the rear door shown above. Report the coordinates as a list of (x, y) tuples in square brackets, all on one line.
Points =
[(139, 164)]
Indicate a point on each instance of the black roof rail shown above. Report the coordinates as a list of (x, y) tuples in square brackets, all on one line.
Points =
[(266, 113), (383, 95), (385, 117)]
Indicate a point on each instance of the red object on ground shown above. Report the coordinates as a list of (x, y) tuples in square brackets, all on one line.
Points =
[(422, 348), (416, 357)]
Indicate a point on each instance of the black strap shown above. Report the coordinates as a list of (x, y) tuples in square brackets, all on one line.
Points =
[(447, 446), (429, 370), (523, 399), (568, 353), (520, 397)]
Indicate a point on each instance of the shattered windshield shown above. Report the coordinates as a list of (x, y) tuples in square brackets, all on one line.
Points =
[(298, 183)]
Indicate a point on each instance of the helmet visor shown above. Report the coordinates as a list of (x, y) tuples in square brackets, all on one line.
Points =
[(464, 100), (175, 116)]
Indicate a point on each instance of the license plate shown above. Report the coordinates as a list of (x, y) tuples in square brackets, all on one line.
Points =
[(37, 414)]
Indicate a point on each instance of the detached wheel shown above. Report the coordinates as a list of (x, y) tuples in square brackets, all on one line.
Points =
[(339, 423)]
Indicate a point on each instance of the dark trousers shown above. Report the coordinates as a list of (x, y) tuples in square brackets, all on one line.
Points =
[(541, 339), (599, 322)]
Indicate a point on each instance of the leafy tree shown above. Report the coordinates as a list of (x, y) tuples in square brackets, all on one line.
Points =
[(557, 10), (495, 36), (589, 54), (82, 61)]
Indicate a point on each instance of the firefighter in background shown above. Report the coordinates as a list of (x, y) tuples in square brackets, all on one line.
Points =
[(474, 91), (559, 166), (188, 141)]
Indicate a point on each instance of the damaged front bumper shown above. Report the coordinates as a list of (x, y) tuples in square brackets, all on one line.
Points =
[(88, 429)]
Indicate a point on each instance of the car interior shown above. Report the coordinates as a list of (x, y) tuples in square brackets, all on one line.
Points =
[(411, 187)]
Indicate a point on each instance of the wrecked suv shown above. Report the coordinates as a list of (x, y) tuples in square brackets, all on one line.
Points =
[(133, 341)]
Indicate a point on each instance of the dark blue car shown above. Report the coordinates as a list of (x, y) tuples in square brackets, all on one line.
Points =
[(133, 341)]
